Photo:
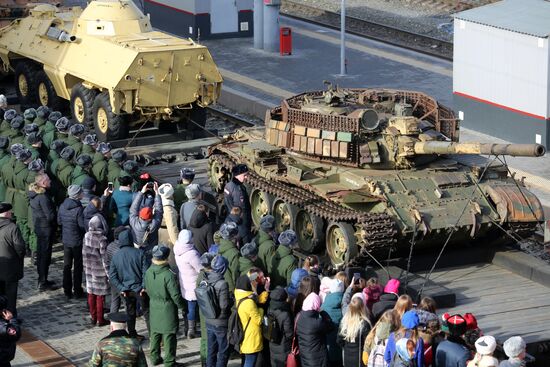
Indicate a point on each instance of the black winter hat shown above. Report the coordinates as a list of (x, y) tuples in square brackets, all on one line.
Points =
[(239, 169), (34, 138), (16, 148), (76, 130), (88, 183), (249, 250), (43, 111), (29, 114), (67, 153), (36, 166), (17, 123), (103, 148), (84, 160), (187, 174), (30, 128), (130, 166), (23, 155), (58, 145), (267, 223), (54, 116), (10, 115), (63, 124), (119, 156), (4, 142), (90, 139)]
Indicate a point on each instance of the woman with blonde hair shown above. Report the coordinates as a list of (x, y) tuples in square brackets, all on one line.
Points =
[(404, 304), (354, 328)]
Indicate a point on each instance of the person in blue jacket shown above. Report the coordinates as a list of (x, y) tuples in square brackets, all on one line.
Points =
[(409, 323)]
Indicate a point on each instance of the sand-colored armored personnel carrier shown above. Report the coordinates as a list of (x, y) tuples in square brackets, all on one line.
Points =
[(357, 172), (13, 9), (110, 65)]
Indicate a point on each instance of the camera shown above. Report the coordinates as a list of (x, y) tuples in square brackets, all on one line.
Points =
[(150, 185)]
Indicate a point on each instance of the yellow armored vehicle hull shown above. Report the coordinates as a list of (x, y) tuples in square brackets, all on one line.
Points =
[(111, 66)]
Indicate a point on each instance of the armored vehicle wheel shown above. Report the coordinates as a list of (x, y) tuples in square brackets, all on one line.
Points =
[(260, 203), (217, 175), (309, 229), (47, 96), (108, 125), (341, 243), (25, 83), (82, 100), (284, 214)]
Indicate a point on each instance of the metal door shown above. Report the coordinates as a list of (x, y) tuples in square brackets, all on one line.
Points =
[(223, 16)]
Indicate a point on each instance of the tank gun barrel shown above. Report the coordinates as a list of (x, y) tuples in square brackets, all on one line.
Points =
[(441, 147)]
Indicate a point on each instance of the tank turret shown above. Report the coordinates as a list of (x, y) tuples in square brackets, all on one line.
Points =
[(360, 172)]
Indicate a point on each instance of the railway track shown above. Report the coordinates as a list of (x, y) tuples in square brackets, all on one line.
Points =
[(379, 32)]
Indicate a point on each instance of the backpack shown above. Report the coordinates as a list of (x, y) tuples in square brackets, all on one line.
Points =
[(207, 299), (271, 330), (235, 333), (376, 356)]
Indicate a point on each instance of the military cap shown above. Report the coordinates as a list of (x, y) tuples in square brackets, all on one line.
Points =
[(130, 166), (54, 116), (62, 124), (9, 115), (67, 153), (29, 114), (58, 145), (43, 111), (160, 252), (90, 139), (84, 160), (76, 129), (206, 259), (120, 317), (239, 169), (249, 250), (267, 223), (119, 156), (187, 174), (4, 207), (16, 148), (229, 230), (192, 191), (103, 148), (288, 238), (17, 123), (23, 155), (30, 128), (36, 166), (4, 142), (34, 138)]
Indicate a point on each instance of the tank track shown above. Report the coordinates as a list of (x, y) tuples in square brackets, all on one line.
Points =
[(378, 230)]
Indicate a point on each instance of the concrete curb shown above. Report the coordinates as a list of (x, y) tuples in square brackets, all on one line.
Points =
[(523, 264), (244, 103)]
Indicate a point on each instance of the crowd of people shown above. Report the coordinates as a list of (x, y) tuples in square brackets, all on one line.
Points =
[(168, 254)]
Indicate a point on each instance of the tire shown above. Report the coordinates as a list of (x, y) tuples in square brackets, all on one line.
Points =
[(82, 100), (108, 125), (309, 230), (47, 96), (25, 83), (260, 204), (285, 215), (341, 243)]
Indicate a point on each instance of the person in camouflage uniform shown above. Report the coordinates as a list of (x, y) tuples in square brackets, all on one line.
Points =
[(82, 169), (89, 144), (118, 349), (5, 126), (76, 134), (42, 113), (100, 166), (15, 134), (4, 159), (20, 199), (50, 131), (187, 175), (65, 167), (29, 115), (8, 174), (114, 166)]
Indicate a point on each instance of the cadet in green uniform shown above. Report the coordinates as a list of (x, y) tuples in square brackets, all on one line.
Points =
[(89, 144), (284, 261), (50, 131), (41, 118), (187, 175), (5, 125), (249, 258), (29, 115), (34, 144), (29, 129), (114, 166), (82, 169), (53, 161), (15, 134), (266, 245), (62, 125), (130, 168), (75, 134), (4, 158), (65, 167), (7, 172), (100, 166), (228, 249), (21, 199), (118, 349), (35, 168)]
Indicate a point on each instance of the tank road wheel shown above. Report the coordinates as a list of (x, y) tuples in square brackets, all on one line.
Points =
[(82, 100), (47, 96), (309, 229), (25, 83), (107, 124), (218, 175), (284, 214), (341, 243), (260, 203)]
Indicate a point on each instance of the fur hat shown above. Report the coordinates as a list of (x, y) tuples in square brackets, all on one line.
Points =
[(54, 116), (206, 259), (30, 128), (16, 148), (67, 153), (219, 264), (36, 166), (486, 345), (63, 124), (287, 238), (23, 155), (192, 191), (187, 174), (103, 148), (229, 230), (58, 145), (43, 112), (514, 346), (73, 191), (119, 156), (29, 114), (160, 252), (267, 223), (9, 115), (17, 123), (130, 166), (239, 169), (90, 139), (84, 160), (34, 138), (76, 130), (249, 250)]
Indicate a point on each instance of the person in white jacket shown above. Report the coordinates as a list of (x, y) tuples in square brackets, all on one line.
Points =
[(189, 266), (168, 231)]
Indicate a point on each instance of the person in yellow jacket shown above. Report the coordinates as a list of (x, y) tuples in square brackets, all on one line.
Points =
[(251, 317)]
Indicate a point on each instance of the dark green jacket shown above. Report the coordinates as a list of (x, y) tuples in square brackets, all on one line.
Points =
[(87, 149), (179, 196), (48, 135), (228, 250), (4, 127), (15, 136), (75, 144), (64, 172), (113, 172), (4, 159), (164, 299), (7, 179), (41, 123), (284, 263), (21, 199), (78, 176), (266, 250), (245, 264), (99, 169)]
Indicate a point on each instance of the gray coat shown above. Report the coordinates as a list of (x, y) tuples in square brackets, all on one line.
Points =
[(186, 212), (94, 259), (140, 227), (12, 251)]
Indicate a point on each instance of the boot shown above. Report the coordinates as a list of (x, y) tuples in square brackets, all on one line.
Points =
[(185, 327), (191, 332)]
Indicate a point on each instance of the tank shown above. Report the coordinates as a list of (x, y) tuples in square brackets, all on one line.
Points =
[(111, 66), (361, 173)]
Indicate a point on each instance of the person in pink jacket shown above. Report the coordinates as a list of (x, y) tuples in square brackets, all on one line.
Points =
[(189, 266)]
